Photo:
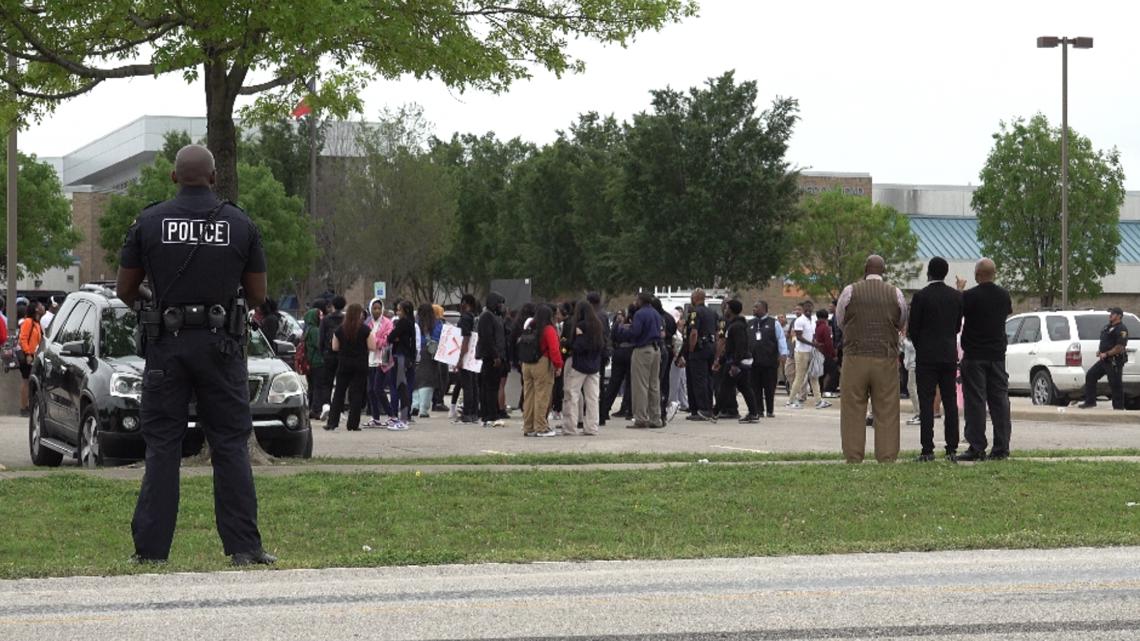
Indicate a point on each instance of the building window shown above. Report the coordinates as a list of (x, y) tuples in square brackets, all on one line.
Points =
[(71, 278)]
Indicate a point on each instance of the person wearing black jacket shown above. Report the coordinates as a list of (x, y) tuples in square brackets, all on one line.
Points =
[(402, 375), (935, 318), (985, 382), (738, 359), (669, 328), (329, 324), (619, 373), (768, 348), (270, 322), (491, 349), (582, 370)]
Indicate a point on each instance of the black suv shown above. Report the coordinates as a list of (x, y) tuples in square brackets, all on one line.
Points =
[(86, 385)]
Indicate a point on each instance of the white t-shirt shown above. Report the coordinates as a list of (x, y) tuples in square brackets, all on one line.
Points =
[(805, 324)]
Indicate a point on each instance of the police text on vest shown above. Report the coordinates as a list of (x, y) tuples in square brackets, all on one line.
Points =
[(184, 231)]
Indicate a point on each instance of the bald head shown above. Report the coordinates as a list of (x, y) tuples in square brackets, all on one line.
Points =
[(875, 265), (193, 166), (985, 271)]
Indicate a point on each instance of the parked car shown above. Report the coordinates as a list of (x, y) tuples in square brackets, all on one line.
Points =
[(1049, 352), (86, 386)]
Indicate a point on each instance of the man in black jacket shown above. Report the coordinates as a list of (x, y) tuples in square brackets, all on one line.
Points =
[(329, 324), (769, 349), (491, 349), (738, 357), (935, 318)]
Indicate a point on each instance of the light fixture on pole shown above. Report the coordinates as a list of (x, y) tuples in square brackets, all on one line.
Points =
[(1050, 42)]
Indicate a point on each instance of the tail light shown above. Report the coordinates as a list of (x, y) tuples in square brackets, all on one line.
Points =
[(1073, 355)]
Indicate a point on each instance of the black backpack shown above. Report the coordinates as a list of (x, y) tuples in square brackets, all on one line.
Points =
[(527, 347)]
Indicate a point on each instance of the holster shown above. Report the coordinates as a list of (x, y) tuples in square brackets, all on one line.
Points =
[(148, 330)]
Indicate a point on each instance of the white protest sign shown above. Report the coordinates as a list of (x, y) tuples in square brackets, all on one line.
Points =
[(451, 344)]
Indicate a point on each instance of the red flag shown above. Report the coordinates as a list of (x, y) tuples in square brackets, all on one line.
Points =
[(302, 108)]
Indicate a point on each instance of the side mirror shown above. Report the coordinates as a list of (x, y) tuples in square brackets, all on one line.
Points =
[(285, 348), (78, 349)]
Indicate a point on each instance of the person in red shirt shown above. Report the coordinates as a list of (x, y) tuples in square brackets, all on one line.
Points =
[(826, 346), (538, 378)]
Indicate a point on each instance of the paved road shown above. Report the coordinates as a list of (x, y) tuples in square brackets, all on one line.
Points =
[(1037, 594), (791, 431)]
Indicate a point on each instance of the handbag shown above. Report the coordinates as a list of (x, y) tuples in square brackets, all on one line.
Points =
[(301, 359)]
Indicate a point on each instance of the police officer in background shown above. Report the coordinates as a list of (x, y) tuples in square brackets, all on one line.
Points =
[(197, 252), (700, 350), (1111, 356), (769, 351)]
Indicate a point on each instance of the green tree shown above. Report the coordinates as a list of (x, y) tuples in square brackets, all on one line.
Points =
[(392, 209), (68, 47), (835, 232), (286, 231), (282, 146), (707, 194), (44, 235), (1019, 204), (482, 169)]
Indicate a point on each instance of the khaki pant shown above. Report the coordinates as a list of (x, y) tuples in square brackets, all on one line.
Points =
[(538, 387), (877, 379), (803, 364), (911, 390), (645, 386), (576, 384)]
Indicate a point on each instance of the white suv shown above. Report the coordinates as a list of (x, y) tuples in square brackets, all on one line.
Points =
[(1049, 352)]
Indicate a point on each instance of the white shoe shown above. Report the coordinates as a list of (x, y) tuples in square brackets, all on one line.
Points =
[(453, 412), (671, 411), (325, 412), (547, 433), (822, 405), (914, 420), (795, 406), (499, 423), (397, 426)]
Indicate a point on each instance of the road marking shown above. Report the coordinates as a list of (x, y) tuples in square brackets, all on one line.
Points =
[(741, 449)]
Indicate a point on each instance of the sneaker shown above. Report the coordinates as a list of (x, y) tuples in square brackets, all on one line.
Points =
[(425, 416), (438, 407), (499, 423), (453, 413), (822, 405), (546, 433), (397, 426), (831, 395), (796, 406), (914, 420), (770, 415), (1085, 406), (671, 411), (751, 418), (325, 409), (488, 424), (708, 417)]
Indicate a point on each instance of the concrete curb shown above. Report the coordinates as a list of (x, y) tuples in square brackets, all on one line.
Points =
[(136, 474), (1072, 415)]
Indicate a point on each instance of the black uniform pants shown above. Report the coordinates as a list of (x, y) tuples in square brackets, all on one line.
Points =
[(741, 382), (489, 391), (986, 384), (944, 378), (175, 367), (1115, 375), (351, 379), (763, 380), (726, 404), (326, 380), (666, 366), (700, 373), (619, 374)]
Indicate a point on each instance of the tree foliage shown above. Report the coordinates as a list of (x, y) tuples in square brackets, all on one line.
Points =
[(834, 234), (286, 230), (249, 48), (1019, 204), (391, 209), (706, 194), (44, 234)]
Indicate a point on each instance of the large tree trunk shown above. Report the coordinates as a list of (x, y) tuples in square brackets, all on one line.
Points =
[(221, 133)]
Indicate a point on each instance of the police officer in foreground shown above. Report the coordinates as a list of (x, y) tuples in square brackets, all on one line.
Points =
[(197, 252), (1111, 356)]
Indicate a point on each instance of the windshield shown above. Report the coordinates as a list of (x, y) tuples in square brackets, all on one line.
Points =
[(117, 327)]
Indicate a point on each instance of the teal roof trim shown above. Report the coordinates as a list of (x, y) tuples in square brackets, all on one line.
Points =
[(956, 238)]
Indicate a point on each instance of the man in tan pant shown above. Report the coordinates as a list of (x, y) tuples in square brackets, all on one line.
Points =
[(871, 313)]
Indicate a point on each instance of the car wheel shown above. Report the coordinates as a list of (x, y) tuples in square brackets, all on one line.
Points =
[(37, 427), (308, 453), (90, 453), (1043, 392)]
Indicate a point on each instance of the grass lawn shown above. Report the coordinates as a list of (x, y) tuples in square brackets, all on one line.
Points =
[(74, 524)]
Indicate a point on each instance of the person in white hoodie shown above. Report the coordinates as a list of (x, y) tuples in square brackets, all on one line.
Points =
[(379, 362)]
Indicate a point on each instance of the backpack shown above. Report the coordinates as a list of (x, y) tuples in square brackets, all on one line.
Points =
[(527, 347), (301, 359)]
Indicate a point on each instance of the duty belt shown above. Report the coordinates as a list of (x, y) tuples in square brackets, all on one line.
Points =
[(197, 316)]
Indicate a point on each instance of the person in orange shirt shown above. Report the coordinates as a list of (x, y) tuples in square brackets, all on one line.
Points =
[(30, 336)]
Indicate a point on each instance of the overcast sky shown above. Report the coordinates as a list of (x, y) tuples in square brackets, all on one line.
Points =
[(910, 92)]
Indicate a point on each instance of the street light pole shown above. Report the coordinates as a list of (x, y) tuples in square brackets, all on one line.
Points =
[(1049, 42), (13, 181)]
